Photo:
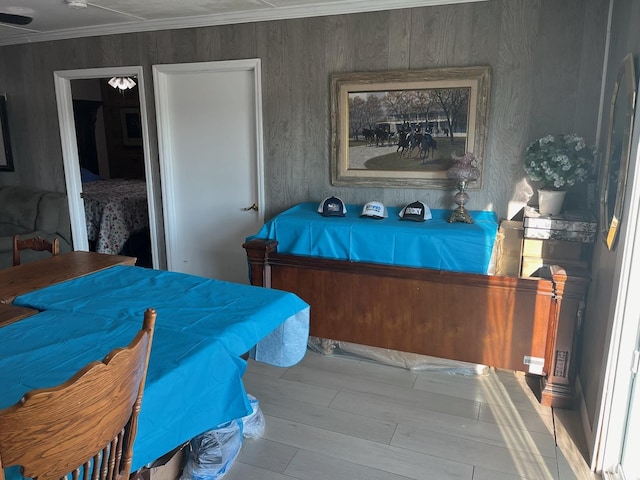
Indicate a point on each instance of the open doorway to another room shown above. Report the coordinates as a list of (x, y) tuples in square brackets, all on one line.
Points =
[(109, 139)]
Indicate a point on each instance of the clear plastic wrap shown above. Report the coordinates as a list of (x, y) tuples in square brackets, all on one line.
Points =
[(410, 361), (253, 424), (213, 452)]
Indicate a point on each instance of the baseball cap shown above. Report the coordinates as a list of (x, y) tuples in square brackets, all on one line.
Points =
[(416, 211), (374, 210), (332, 207)]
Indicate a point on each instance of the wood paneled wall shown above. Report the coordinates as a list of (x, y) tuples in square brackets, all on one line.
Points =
[(546, 60)]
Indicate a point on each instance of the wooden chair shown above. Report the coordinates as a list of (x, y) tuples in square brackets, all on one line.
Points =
[(35, 243), (85, 426)]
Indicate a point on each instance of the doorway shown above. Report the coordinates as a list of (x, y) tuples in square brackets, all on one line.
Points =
[(81, 161), (210, 144)]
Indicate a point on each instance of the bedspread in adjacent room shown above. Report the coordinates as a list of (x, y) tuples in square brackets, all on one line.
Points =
[(435, 244), (114, 210), (194, 380)]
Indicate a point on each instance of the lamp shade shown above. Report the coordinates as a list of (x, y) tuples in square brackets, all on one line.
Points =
[(464, 170)]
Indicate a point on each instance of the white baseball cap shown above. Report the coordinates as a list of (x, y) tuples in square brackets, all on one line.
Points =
[(374, 210)]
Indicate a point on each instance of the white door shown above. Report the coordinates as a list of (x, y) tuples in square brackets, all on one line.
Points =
[(210, 135)]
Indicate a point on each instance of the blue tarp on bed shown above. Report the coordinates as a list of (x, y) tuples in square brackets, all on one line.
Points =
[(435, 243)]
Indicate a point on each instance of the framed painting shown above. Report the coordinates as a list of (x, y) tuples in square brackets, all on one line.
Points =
[(615, 165), (131, 126), (402, 128), (6, 156)]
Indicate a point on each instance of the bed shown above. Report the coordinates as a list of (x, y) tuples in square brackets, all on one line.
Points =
[(523, 324), (115, 209)]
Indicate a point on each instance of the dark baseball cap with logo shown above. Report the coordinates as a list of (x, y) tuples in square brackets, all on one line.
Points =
[(416, 211), (332, 207)]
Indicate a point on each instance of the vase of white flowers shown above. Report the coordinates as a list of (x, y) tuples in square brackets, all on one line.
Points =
[(555, 163)]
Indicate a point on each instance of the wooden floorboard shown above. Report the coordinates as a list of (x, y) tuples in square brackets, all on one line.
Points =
[(334, 416)]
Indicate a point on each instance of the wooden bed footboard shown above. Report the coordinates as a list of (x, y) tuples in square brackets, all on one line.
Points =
[(504, 322)]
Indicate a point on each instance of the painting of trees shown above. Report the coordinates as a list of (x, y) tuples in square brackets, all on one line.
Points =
[(454, 103), (448, 106), (365, 111)]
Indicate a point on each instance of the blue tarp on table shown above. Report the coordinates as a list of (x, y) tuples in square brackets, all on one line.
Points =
[(193, 383), (194, 380), (237, 315)]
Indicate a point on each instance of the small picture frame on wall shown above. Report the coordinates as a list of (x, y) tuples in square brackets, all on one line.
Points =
[(131, 126), (6, 157)]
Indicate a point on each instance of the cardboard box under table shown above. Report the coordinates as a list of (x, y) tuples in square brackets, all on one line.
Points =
[(194, 379)]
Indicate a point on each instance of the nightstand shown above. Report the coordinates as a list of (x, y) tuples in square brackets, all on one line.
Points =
[(560, 244), (564, 240)]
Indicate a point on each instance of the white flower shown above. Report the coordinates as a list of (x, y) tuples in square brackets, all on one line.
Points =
[(554, 160)]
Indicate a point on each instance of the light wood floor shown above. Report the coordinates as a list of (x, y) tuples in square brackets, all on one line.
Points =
[(333, 417)]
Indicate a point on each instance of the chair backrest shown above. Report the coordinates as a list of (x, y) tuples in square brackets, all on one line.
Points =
[(85, 426), (34, 243)]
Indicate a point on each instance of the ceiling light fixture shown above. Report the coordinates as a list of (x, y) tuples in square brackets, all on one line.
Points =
[(122, 83), (77, 3)]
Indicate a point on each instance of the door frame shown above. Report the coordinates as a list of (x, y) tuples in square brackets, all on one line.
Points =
[(618, 379), (64, 100), (161, 72)]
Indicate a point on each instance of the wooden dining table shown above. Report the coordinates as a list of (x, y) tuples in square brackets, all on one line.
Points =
[(13, 313), (48, 271), (204, 327)]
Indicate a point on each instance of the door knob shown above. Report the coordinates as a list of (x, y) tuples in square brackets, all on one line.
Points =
[(252, 207)]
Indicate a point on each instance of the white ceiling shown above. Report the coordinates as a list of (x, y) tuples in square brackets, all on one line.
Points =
[(54, 19)]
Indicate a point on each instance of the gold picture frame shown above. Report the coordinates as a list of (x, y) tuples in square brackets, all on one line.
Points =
[(401, 128), (615, 165), (131, 126)]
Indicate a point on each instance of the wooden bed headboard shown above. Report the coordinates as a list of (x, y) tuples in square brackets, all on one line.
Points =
[(524, 324)]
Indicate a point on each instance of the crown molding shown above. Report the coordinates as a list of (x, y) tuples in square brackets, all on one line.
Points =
[(267, 14)]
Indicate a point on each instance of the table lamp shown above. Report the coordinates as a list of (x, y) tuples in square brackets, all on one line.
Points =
[(462, 172)]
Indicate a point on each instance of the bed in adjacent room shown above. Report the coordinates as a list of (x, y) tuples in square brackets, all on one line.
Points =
[(115, 209)]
